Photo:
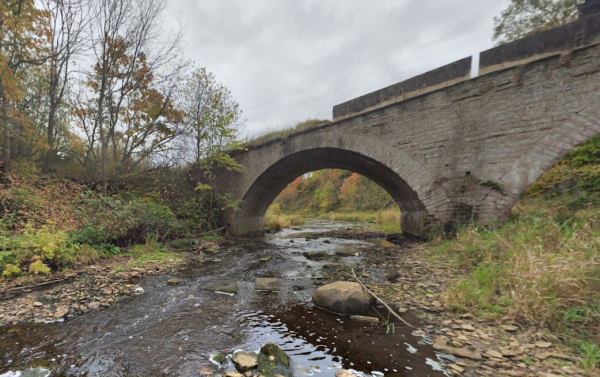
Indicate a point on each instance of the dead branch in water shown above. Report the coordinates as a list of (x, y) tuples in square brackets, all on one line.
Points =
[(380, 300)]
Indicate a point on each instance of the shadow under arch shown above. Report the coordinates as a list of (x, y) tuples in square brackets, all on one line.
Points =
[(263, 191)]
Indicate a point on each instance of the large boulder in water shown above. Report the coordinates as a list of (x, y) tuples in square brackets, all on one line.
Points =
[(343, 297), (273, 361)]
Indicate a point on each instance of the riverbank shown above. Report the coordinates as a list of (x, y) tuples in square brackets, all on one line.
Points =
[(419, 282)]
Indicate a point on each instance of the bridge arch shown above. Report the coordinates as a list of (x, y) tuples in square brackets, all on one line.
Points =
[(407, 182)]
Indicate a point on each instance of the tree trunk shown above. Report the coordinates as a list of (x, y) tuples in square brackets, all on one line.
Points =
[(51, 122), (6, 146)]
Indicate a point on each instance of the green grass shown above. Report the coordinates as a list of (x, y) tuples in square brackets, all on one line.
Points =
[(591, 355)]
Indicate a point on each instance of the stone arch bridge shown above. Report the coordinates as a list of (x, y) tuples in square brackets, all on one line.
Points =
[(448, 146)]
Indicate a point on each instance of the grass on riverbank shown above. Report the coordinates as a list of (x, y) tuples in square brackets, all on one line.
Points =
[(387, 221), (275, 222), (541, 270)]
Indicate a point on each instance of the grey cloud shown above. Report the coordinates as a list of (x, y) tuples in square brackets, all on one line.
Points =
[(285, 60)]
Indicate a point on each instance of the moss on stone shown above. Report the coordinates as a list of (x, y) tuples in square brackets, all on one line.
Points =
[(272, 361), (219, 358)]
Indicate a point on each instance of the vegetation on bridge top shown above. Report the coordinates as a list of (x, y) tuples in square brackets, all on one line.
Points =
[(271, 134)]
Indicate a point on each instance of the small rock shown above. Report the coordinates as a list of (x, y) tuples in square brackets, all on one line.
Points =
[(219, 358), (510, 328), (467, 327), (267, 284), (273, 361), (494, 354), (315, 255), (457, 368), (344, 373), (543, 344), (345, 253), (93, 305), (61, 312), (509, 353), (38, 304), (233, 373), (174, 281), (467, 353), (221, 286), (245, 361)]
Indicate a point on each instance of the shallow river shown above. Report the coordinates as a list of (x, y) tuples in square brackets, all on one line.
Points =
[(173, 330)]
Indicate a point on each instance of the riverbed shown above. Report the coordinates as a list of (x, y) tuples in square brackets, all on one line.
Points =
[(172, 330)]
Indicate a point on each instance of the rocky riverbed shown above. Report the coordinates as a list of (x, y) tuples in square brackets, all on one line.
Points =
[(170, 317)]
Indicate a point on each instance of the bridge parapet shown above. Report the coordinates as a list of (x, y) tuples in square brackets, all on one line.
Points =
[(557, 41), (439, 78)]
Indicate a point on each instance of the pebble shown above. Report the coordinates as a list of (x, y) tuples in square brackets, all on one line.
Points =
[(174, 281)]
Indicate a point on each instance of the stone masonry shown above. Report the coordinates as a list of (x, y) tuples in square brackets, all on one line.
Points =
[(447, 147)]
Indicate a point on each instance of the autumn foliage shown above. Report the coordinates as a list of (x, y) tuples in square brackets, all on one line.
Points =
[(332, 190)]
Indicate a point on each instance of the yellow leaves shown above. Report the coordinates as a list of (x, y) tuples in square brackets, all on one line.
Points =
[(202, 187)]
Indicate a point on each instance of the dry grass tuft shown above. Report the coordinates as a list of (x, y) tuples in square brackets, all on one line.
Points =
[(276, 222)]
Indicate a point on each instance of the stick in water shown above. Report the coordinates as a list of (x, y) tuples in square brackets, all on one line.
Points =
[(380, 300)]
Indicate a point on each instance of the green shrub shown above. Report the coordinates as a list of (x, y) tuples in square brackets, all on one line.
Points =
[(10, 270), (195, 217), (124, 222), (40, 249), (38, 267)]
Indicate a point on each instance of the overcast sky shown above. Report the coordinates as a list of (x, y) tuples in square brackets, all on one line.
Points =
[(289, 60)]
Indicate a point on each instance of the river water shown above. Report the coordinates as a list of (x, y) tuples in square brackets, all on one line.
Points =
[(173, 330)]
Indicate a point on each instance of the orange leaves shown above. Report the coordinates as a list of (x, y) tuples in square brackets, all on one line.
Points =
[(350, 188), (291, 191)]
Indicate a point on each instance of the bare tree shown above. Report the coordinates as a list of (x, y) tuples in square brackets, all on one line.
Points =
[(125, 32), (67, 26)]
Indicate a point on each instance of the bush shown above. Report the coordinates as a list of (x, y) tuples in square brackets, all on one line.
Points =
[(43, 249), (10, 270), (118, 222), (38, 267)]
